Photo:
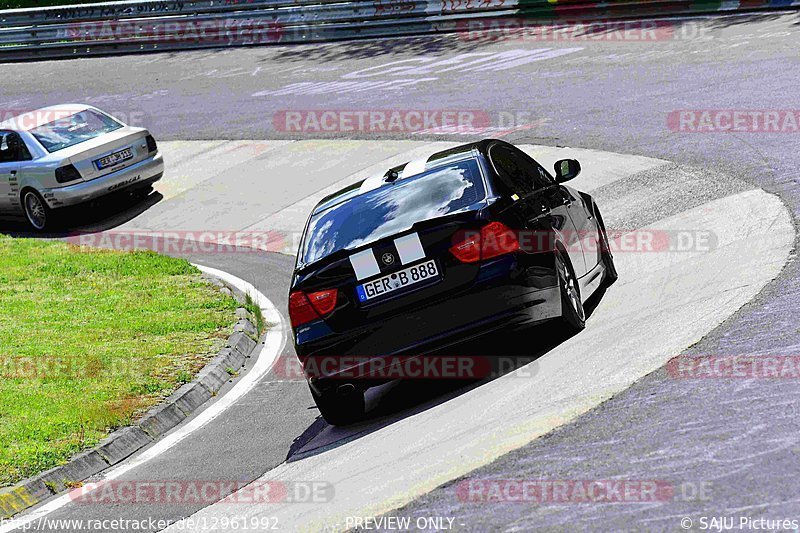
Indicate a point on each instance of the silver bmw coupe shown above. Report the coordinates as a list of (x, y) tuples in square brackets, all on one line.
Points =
[(71, 154)]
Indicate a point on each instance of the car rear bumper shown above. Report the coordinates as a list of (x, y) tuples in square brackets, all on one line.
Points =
[(144, 172), (438, 358), (494, 303)]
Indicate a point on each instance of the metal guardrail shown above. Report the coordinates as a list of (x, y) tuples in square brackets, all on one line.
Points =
[(165, 25)]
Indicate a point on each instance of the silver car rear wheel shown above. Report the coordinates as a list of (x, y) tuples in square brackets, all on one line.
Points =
[(36, 210)]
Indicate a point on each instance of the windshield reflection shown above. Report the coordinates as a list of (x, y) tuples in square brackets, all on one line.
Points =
[(392, 208)]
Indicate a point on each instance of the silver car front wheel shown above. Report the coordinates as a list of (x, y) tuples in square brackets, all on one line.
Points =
[(36, 210)]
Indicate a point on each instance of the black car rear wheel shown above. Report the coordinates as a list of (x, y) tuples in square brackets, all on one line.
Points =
[(572, 313), (338, 409)]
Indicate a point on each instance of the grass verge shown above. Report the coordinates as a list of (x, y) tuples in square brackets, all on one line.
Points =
[(89, 340)]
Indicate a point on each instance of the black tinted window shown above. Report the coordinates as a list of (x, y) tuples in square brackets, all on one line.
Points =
[(393, 208), (12, 148), (518, 173)]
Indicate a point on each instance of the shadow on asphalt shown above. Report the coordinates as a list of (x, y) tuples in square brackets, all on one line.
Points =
[(393, 402), (102, 215), (467, 41), (368, 49)]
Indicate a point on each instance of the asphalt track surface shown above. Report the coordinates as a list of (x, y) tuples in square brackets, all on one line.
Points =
[(613, 96)]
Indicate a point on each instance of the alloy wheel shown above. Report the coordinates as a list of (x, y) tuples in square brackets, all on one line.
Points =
[(35, 211), (571, 289)]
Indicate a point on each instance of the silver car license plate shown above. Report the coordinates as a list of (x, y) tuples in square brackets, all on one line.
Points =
[(114, 159), (397, 280)]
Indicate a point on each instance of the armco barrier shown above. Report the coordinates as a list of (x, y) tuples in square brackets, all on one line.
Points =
[(149, 26)]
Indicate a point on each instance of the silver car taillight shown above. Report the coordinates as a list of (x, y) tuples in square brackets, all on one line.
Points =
[(67, 173), (151, 144)]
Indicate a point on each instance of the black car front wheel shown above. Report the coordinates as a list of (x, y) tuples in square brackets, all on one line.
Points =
[(606, 258), (340, 409), (610, 269), (572, 313)]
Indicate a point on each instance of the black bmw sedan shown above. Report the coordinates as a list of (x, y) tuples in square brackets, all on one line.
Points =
[(435, 252)]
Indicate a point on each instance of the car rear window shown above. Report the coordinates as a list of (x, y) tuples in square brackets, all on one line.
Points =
[(74, 129), (393, 208)]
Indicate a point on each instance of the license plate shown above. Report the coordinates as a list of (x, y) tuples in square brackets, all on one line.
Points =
[(397, 280), (113, 159)]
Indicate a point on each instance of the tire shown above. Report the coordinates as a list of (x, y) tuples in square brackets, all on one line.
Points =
[(610, 275), (38, 214), (340, 410), (572, 314)]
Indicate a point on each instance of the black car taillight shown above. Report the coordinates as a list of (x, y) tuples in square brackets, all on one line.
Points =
[(67, 174), (151, 144), (307, 307), (494, 239)]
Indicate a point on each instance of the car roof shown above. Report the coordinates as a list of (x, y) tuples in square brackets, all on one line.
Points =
[(441, 158), (37, 117)]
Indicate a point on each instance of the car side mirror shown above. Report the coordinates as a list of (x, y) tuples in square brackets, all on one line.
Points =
[(566, 169)]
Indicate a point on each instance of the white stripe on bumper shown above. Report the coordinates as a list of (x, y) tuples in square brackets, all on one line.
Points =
[(364, 264), (409, 248)]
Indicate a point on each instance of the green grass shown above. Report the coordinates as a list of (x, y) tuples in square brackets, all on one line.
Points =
[(255, 312), (89, 340)]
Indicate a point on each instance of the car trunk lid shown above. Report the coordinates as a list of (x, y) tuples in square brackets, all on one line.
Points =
[(109, 153)]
